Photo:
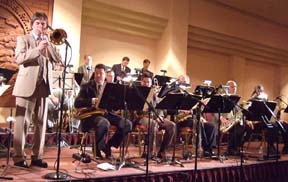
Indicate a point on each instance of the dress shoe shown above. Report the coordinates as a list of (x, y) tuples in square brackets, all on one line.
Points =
[(39, 163), (285, 150), (233, 152), (107, 151), (162, 156), (21, 164), (99, 155)]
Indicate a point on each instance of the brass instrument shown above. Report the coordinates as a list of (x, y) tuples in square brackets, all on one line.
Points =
[(183, 116), (238, 118), (85, 112), (57, 36)]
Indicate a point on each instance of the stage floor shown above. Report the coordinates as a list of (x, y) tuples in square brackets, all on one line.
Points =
[(82, 171)]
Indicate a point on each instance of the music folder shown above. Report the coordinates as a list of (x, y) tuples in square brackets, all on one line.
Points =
[(162, 80), (178, 101), (221, 103), (121, 96), (259, 108)]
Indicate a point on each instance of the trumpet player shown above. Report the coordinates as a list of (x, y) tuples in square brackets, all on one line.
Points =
[(35, 55)]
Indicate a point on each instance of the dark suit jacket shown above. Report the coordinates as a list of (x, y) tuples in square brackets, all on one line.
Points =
[(118, 72), (87, 92)]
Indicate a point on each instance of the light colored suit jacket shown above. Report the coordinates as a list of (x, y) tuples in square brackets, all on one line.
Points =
[(28, 57), (87, 74)]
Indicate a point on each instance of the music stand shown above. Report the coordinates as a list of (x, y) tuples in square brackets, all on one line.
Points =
[(7, 74), (205, 91), (78, 77), (220, 104), (162, 80), (262, 111), (58, 80), (120, 96), (177, 101)]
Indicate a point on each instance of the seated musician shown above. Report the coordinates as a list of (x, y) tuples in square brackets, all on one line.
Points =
[(236, 138), (234, 120), (156, 123), (54, 103), (281, 118), (207, 127), (88, 98), (114, 117)]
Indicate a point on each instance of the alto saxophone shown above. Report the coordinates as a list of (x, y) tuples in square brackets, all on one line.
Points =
[(85, 112)]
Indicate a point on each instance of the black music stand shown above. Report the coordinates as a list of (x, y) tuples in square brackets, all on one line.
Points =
[(162, 80), (220, 104), (263, 111), (204, 91), (125, 97), (7, 74), (78, 77), (175, 102)]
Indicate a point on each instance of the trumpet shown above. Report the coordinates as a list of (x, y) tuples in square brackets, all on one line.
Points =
[(58, 36)]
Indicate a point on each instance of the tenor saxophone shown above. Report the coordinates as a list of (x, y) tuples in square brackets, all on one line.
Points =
[(85, 112)]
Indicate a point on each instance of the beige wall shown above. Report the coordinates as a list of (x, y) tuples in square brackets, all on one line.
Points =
[(224, 60), (67, 15), (109, 47), (222, 19)]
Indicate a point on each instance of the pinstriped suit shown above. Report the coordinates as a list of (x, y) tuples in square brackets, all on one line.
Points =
[(31, 91)]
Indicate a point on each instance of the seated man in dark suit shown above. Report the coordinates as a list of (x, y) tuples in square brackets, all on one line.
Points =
[(88, 98)]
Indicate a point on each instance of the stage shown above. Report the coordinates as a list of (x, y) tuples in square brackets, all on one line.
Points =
[(208, 169)]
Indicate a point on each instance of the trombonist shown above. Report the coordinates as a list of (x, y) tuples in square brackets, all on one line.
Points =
[(35, 56), (159, 122)]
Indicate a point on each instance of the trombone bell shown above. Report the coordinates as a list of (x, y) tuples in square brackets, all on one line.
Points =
[(58, 36)]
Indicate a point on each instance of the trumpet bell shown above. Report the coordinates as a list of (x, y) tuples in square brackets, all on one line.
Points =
[(58, 36)]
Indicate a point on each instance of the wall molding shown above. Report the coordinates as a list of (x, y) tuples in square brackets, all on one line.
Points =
[(234, 46), (100, 15)]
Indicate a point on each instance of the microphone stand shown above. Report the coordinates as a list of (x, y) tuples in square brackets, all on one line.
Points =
[(150, 109), (57, 174)]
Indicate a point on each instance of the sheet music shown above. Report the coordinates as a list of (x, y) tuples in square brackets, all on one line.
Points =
[(58, 80), (3, 88)]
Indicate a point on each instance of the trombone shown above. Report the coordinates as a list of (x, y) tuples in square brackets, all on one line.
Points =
[(58, 36)]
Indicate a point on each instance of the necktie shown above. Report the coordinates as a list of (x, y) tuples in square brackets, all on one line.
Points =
[(42, 65), (98, 89), (38, 40)]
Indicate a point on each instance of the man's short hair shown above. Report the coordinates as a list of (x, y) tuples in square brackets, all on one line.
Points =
[(39, 16), (145, 75), (101, 66), (146, 61), (125, 59)]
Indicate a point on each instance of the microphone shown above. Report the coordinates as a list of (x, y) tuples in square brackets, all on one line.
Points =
[(164, 71), (66, 42)]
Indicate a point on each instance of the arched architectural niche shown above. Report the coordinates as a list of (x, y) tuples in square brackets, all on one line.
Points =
[(15, 20)]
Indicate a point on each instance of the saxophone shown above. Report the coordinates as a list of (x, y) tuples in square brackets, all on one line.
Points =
[(85, 112)]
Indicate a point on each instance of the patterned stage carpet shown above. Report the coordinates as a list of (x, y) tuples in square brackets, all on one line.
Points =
[(88, 171)]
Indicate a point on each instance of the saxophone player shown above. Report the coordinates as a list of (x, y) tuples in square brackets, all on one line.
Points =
[(100, 122), (35, 56), (88, 98)]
